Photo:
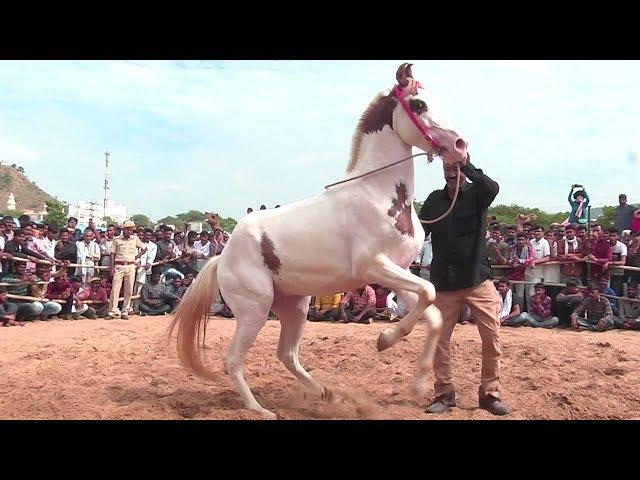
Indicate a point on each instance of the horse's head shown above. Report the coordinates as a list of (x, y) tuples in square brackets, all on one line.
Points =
[(450, 146)]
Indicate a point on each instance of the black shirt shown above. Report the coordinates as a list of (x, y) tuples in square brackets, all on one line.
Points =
[(67, 251), (459, 243)]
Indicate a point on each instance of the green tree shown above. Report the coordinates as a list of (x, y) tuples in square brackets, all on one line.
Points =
[(142, 220), (56, 214), (13, 213), (228, 224), (169, 221), (608, 216), (110, 221)]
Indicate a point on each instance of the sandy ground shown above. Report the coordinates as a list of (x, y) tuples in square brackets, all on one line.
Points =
[(97, 369)]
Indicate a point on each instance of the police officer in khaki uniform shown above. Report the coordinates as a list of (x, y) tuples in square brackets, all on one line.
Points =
[(125, 252)]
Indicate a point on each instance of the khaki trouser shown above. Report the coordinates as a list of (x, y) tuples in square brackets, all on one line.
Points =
[(128, 274), (484, 303)]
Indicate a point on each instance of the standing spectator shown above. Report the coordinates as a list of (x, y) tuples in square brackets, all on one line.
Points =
[(202, 250), (146, 261), (218, 242), (9, 227), (461, 275), (570, 248), (567, 301), (624, 214), (17, 248), (542, 254), (511, 236), (579, 200), (619, 252), (87, 253), (635, 222), (633, 257), (601, 251), (166, 248), (521, 258), (66, 250), (594, 313), (23, 221), (75, 233), (629, 316), (498, 251), (539, 314), (49, 242), (127, 249), (106, 246), (358, 305)]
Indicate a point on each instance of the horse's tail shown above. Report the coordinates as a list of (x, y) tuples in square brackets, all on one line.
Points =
[(191, 317)]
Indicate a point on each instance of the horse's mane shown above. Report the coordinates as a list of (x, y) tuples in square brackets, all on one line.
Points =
[(378, 114)]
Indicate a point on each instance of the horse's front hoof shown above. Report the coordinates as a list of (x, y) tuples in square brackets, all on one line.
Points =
[(385, 339)]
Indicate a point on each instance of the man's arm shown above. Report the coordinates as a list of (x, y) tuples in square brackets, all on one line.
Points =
[(581, 308), (487, 188), (515, 311)]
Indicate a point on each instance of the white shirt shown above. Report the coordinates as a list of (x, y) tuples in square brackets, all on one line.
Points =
[(2, 241), (49, 246), (540, 249), (619, 250), (87, 255), (146, 259), (205, 249)]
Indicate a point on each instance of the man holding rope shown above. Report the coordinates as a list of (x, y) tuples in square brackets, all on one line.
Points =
[(462, 275), (124, 261)]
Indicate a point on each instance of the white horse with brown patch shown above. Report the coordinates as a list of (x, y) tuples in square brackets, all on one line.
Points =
[(265, 265)]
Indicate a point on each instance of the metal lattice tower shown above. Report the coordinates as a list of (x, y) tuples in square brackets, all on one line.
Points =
[(106, 182)]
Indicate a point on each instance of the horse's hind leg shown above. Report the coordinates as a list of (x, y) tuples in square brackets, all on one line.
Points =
[(250, 305), (292, 312)]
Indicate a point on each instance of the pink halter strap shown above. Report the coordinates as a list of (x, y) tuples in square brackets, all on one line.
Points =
[(412, 87)]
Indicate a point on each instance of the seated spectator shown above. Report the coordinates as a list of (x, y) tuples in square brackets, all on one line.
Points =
[(358, 305), (186, 265), (100, 297), (221, 309), (629, 316), (509, 303), (80, 296), (424, 258), (60, 289), (396, 307), (567, 301), (174, 292), (539, 314), (8, 312), (594, 312), (603, 283), (382, 310), (187, 280), (43, 274), (25, 309), (153, 300), (325, 307)]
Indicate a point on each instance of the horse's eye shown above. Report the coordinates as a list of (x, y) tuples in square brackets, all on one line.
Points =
[(418, 106)]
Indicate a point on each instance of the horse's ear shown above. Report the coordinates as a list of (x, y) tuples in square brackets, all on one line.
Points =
[(403, 74)]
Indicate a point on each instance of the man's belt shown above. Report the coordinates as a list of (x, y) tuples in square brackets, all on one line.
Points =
[(122, 262)]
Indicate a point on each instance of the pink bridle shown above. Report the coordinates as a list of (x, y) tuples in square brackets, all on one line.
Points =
[(412, 87)]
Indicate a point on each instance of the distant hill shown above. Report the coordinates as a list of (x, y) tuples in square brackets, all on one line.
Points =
[(28, 195)]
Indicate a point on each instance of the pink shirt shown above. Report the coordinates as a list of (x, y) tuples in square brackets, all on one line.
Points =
[(360, 302)]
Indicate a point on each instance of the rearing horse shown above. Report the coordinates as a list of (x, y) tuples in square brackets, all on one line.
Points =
[(265, 265)]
